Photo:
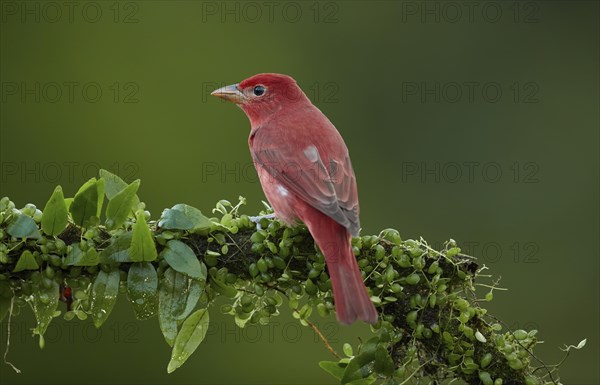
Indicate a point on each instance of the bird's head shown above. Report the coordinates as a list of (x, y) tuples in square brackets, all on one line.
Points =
[(262, 95)]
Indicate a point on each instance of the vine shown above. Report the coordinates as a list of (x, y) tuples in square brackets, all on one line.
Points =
[(431, 323)]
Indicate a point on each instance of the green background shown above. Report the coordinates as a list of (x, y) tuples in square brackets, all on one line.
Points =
[(387, 74)]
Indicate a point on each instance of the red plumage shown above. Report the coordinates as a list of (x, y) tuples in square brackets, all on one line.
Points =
[(306, 174)]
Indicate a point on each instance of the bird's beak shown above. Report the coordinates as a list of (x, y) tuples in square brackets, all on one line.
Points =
[(231, 93)]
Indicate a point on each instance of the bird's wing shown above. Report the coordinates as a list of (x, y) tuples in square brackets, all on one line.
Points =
[(322, 178)]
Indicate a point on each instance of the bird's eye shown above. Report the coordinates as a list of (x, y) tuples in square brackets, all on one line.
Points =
[(259, 90)]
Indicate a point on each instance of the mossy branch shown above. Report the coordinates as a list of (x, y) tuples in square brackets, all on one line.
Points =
[(431, 325)]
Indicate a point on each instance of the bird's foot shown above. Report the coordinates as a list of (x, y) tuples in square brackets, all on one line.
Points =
[(258, 218)]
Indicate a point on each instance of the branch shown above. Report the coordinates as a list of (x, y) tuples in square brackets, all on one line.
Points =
[(431, 324)]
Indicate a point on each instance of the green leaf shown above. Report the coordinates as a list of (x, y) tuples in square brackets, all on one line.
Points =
[(336, 369), (55, 215), (114, 184), (100, 186), (383, 361), (75, 255), (370, 345), (362, 365), (480, 337), (85, 203), (184, 217), (177, 297), (194, 291), (78, 257), (23, 227), (104, 295), (120, 205), (44, 302), (190, 336), (222, 288), (170, 303), (359, 367), (142, 286), (580, 345), (142, 247), (26, 262), (182, 258), (118, 250), (347, 348)]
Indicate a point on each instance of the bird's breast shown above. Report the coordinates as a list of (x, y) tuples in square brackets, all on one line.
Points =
[(281, 199)]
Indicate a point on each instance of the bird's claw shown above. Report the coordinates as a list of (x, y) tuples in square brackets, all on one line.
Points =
[(258, 218)]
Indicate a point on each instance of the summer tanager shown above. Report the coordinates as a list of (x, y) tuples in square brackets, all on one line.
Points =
[(305, 171)]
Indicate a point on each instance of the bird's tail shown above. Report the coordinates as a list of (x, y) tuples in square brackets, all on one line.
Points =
[(352, 301)]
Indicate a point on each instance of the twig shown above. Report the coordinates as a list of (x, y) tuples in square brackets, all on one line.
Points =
[(415, 372), (313, 327), (10, 312), (322, 337)]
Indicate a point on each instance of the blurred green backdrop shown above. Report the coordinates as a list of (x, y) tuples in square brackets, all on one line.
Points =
[(471, 120)]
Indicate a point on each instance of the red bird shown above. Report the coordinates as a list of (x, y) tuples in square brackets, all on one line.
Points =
[(305, 171)]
